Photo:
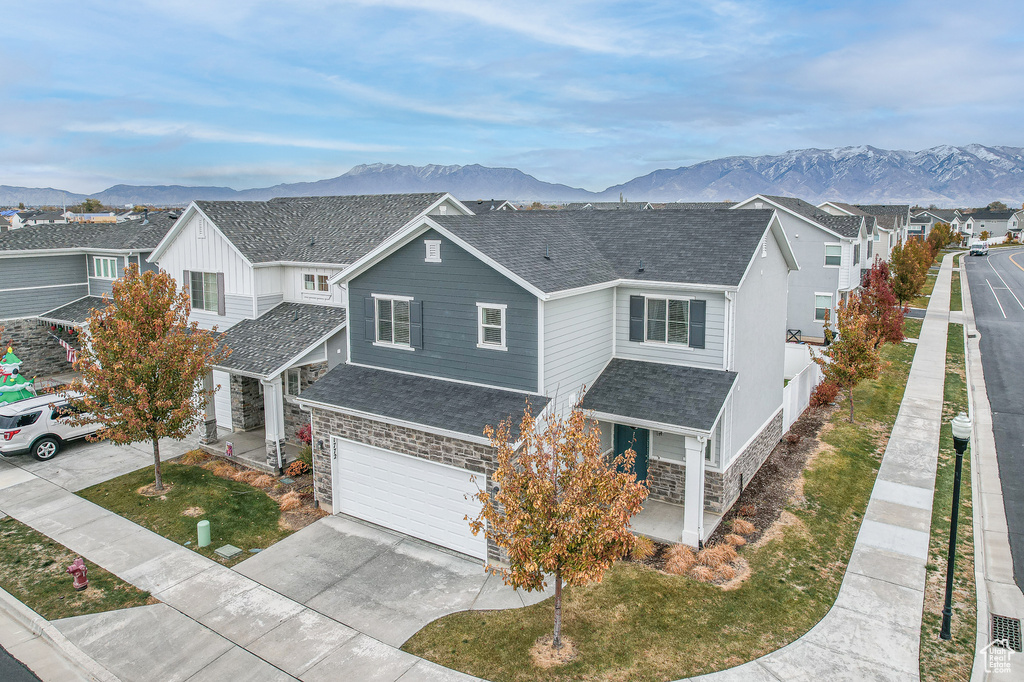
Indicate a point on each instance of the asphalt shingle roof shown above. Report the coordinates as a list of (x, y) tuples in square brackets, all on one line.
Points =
[(888, 215), (262, 346), (846, 225), (76, 312), (690, 205), (689, 397), (848, 207), (462, 408), (132, 235), (986, 214), (607, 206), (314, 229), (712, 247), (479, 206)]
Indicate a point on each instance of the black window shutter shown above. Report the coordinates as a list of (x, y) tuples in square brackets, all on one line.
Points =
[(698, 314), (369, 318), (416, 324), (221, 305), (636, 318)]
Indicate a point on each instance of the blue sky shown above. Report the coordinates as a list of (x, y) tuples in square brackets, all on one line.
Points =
[(248, 93)]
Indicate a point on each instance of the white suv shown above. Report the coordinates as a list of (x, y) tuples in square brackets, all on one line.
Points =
[(35, 425)]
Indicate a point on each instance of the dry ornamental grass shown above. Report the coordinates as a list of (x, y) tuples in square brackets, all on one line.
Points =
[(742, 527), (289, 501), (680, 559), (735, 540)]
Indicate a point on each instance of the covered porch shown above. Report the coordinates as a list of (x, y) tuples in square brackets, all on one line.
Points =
[(673, 418), (251, 395)]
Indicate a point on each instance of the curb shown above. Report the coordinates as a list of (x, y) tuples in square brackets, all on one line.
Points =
[(43, 628)]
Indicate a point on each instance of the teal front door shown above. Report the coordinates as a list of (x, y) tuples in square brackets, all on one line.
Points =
[(627, 437)]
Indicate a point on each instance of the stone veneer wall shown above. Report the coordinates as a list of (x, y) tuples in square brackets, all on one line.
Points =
[(722, 489), (294, 417), (666, 480), (246, 403), (41, 354), (452, 451)]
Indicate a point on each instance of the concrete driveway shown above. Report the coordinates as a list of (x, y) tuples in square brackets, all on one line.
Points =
[(383, 584), (81, 464)]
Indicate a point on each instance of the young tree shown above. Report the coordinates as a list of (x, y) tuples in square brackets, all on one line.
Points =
[(852, 356), (143, 364), (561, 508), (908, 265), (984, 235), (878, 304), (940, 237)]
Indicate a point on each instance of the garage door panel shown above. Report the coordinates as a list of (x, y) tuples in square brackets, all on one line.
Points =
[(408, 494)]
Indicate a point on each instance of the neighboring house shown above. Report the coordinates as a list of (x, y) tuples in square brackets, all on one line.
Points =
[(479, 206), (920, 226), (1015, 225), (996, 223), (259, 271), (929, 218), (609, 206), (830, 250), (48, 218), (889, 229), (102, 217), (959, 223), (53, 275), (690, 205), (895, 217), (457, 323)]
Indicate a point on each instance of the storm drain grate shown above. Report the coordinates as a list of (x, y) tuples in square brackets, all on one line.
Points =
[(1006, 630)]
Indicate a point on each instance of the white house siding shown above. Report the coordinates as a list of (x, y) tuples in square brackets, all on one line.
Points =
[(266, 302), (713, 353), (211, 253), (577, 343), (668, 446), (846, 278), (236, 309), (292, 286), (760, 359)]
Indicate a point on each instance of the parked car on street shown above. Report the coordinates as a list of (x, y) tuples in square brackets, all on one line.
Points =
[(38, 426), (979, 249)]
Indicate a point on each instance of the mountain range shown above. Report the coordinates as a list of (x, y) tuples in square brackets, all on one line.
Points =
[(971, 175)]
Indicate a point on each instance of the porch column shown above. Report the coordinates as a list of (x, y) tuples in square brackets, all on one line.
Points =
[(273, 414), (693, 503), (210, 411)]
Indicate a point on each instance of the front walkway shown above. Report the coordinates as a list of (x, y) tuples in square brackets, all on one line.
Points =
[(874, 629)]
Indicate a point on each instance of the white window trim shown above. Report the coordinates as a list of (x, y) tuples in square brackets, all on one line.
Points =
[(376, 320), (304, 276), (666, 298), (203, 309), (96, 267), (298, 381), (436, 245), (831, 305), (825, 261), (480, 326)]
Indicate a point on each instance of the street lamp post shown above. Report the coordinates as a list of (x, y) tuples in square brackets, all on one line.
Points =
[(961, 425)]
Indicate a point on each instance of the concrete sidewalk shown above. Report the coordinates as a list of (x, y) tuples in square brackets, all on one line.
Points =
[(873, 631)]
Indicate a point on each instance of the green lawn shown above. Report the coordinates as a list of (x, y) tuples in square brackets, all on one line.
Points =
[(239, 514), (640, 624), (33, 569), (912, 327), (950, 660), (956, 301), (922, 298)]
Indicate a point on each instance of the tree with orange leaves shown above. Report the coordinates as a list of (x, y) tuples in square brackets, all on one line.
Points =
[(852, 356), (143, 363), (877, 302), (561, 508)]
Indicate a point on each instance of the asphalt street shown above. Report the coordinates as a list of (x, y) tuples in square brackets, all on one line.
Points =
[(12, 670), (997, 293)]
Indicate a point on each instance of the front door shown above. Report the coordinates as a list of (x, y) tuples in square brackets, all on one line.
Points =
[(638, 439)]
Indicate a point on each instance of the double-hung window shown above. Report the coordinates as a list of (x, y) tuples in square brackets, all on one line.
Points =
[(309, 282), (292, 384), (104, 268), (833, 254), (491, 326), (321, 283), (393, 321), (203, 286), (822, 306), (668, 320)]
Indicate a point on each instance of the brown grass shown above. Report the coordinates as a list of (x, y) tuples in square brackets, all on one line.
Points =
[(643, 548), (194, 457), (289, 501), (194, 512), (735, 540), (725, 572), (545, 656), (263, 481), (742, 527), (702, 574), (246, 475), (716, 555), (219, 468), (680, 559)]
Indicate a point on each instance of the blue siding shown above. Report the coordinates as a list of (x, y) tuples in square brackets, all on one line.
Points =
[(24, 274), (98, 287), (449, 292)]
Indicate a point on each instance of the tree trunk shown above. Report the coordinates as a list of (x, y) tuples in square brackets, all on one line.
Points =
[(159, 483), (851, 405), (556, 643)]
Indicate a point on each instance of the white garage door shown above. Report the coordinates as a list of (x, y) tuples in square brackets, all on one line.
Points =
[(408, 494), (222, 398)]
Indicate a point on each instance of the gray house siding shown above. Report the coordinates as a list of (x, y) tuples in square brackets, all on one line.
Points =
[(808, 244), (449, 292), (266, 302), (760, 355), (577, 343), (31, 302), (151, 267), (236, 309), (713, 353), (98, 287), (21, 279), (337, 348)]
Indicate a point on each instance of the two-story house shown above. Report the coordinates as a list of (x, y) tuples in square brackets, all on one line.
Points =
[(53, 275), (459, 322), (995, 223), (260, 272), (829, 249)]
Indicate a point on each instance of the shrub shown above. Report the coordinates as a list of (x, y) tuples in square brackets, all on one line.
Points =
[(792, 438), (289, 501), (305, 434), (194, 457), (643, 549), (824, 394), (263, 481), (247, 475), (306, 455), (747, 510), (742, 527), (220, 468), (680, 559), (297, 468), (716, 555), (702, 574), (735, 540)]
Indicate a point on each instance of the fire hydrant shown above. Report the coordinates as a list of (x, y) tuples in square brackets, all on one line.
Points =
[(78, 570)]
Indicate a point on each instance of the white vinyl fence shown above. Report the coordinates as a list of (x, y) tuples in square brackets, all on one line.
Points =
[(797, 393)]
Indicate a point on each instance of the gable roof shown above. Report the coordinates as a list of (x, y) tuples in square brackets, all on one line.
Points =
[(133, 235), (479, 206), (889, 216), (987, 214), (561, 250), (690, 205), (849, 208), (608, 206), (843, 226), (310, 229)]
